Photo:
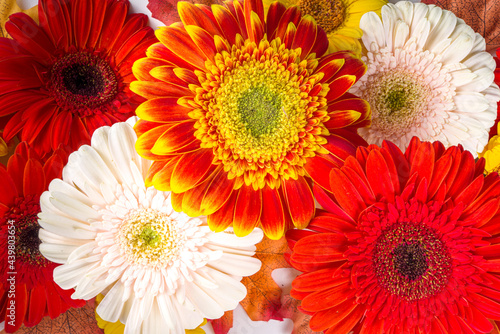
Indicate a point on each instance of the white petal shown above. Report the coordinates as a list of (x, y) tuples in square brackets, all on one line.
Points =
[(373, 31), (471, 102)]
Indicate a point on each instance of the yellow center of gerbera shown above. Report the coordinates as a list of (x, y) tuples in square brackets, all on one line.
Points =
[(262, 112), (149, 237), (329, 14)]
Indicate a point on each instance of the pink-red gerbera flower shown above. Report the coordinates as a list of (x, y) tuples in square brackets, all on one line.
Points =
[(62, 79), (407, 244), (244, 111), (27, 290)]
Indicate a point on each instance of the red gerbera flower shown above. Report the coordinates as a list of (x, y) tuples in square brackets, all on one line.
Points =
[(406, 244), (244, 111), (64, 78), (27, 290)]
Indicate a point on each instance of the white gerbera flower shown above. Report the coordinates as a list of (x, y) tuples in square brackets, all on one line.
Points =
[(428, 76), (160, 271)]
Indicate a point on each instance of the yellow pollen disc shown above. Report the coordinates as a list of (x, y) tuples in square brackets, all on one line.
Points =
[(329, 14), (148, 237), (257, 114)]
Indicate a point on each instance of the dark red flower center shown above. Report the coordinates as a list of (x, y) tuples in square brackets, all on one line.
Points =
[(24, 216), (81, 82), (411, 261)]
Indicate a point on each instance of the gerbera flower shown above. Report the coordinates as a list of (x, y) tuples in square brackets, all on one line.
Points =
[(406, 244), (239, 127), (27, 290), (428, 76), (66, 77), (160, 271), (119, 328), (338, 18)]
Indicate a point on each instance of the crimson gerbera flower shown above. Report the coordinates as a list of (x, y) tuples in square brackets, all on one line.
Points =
[(406, 244), (64, 78), (244, 111), (27, 290)]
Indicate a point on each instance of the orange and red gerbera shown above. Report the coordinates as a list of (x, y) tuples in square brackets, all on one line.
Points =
[(243, 113), (62, 79), (27, 290), (407, 243)]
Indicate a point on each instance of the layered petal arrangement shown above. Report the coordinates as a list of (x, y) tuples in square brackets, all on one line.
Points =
[(407, 243), (27, 290), (428, 76), (338, 18), (159, 271), (243, 112), (62, 79)]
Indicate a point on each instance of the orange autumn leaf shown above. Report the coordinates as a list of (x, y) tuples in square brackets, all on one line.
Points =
[(289, 309), (75, 320), (166, 10), (482, 15), (8, 7), (263, 300)]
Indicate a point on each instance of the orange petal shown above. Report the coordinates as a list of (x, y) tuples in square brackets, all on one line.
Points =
[(222, 218), (350, 318), (247, 210), (203, 40), (272, 218), (342, 119), (346, 193), (163, 109), (160, 173), (327, 298), (194, 15), (217, 193), (152, 90), (142, 67), (180, 43), (300, 201), (325, 319), (191, 169), (175, 138)]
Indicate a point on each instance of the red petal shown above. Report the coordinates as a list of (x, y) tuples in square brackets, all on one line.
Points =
[(331, 68), (382, 181), (34, 179), (342, 119), (247, 210), (325, 319), (81, 23), (318, 280), (273, 216), (346, 194), (339, 86), (151, 90), (349, 321), (113, 22), (441, 170), (478, 321), (30, 36), (307, 27), (55, 19), (291, 15), (319, 169), (9, 190), (423, 161), (327, 298), (164, 109), (37, 305), (320, 248), (274, 14), (99, 11), (191, 169), (160, 174)]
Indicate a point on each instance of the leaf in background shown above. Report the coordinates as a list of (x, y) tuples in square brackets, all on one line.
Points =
[(289, 309), (263, 300), (8, 7), (482, 15), (166, 10), (75, 320), (223, 324)]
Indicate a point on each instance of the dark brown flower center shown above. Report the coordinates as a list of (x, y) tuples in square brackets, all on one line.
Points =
[(81, 82), (411, 261), (24, 217), (329, 14)]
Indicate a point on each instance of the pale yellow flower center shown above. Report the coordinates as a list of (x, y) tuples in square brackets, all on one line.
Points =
[(150, 237)]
